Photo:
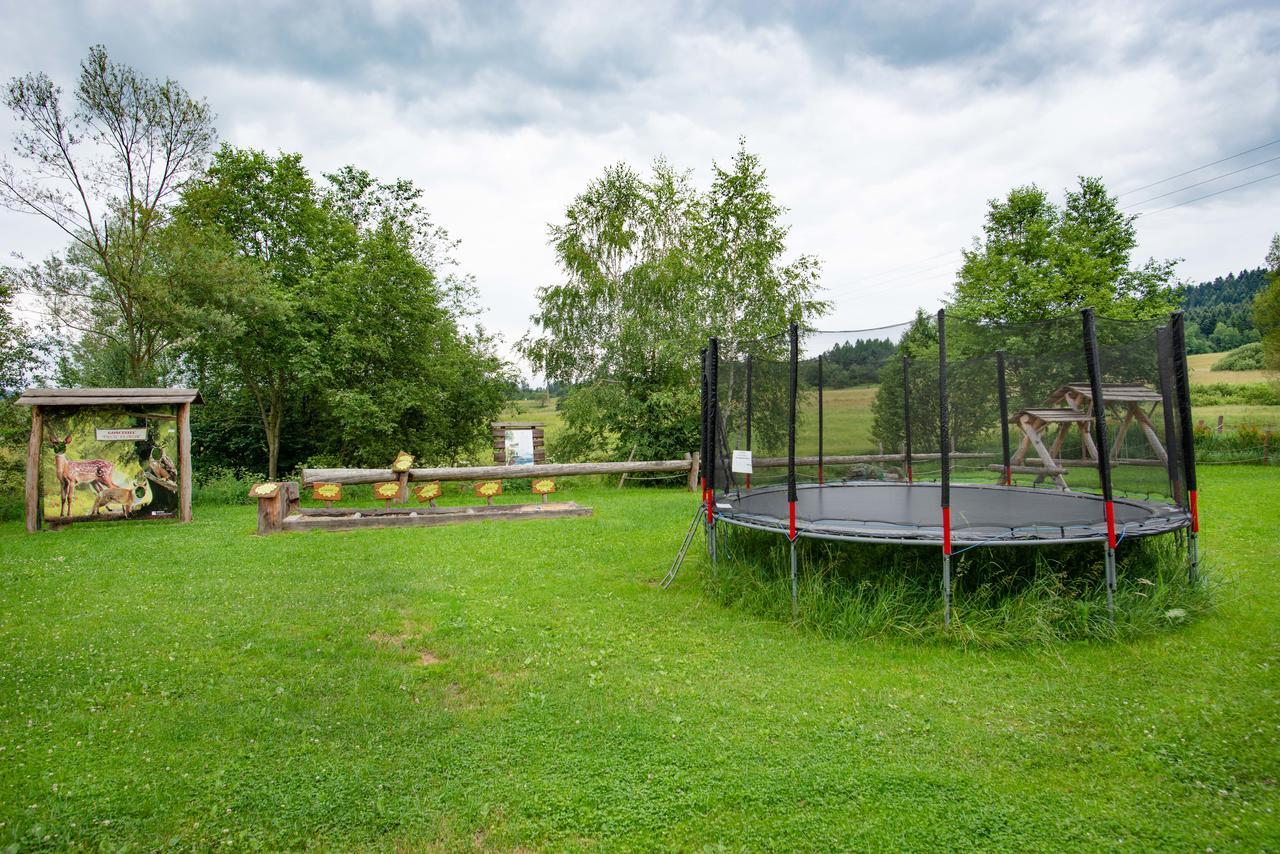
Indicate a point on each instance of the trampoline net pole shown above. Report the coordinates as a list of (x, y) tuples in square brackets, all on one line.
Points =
[(1002, 389), (794, 333), (944, 437), (1178, 344), (1168, 396), (1104, 456), (906, 417), (820, 479), (748, 412), (706, 433)]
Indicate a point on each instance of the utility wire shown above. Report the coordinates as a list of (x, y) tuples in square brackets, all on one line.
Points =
[(1208, 195), (1205, 181), (1198, 168)]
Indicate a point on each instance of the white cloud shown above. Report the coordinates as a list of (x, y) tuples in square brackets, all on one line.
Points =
[(884, 134)]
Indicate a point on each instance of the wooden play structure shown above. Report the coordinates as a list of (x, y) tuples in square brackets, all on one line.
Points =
[(1072, 407), (107, 450), (280, 507)]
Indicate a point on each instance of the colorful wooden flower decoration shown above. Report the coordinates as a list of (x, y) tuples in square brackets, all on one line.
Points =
[(402, 462), (488, 488), (387, 490), (544, 485), (428, 491), (326, 491), (264, 490)]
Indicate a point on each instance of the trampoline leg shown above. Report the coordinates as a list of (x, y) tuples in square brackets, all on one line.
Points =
[(711, 533), (795, 584), (946, 590), (1111, 583), (1193, 549)]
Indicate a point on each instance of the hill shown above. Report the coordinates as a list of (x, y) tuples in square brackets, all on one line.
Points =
[(1220, 313)]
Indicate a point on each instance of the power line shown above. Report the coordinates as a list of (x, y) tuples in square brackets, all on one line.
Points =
[(1198, 168), (1208, 195), (1205, 181)]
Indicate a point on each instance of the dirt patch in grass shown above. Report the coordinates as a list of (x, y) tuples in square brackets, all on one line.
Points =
[(426, 657)]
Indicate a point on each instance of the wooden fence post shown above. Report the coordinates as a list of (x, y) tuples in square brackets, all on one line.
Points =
[(1219, 429), (695, 462)]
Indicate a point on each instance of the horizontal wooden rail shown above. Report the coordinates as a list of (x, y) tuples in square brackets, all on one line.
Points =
[(848, 459)]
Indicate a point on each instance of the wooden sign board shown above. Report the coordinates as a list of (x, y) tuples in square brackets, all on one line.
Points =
[(488, 488), (544, 485), (326, 492), (402, 462), (428, 491), (387, 490), (264, 490), (534, 441)]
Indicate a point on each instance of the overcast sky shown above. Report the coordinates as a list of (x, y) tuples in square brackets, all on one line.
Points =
[(885, 127)]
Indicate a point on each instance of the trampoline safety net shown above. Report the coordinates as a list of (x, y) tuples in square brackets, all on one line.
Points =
[(1070, 429)]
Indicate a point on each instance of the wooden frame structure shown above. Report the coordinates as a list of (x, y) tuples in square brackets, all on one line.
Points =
[(1070, 406), (45, 402), (499, 432)]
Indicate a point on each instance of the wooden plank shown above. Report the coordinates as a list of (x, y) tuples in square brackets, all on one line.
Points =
[(1118, 444), (352, 475), (402, 517), (106, 396), (184, 463), (31, 485), (1047, 458), (1040, 470), (1152, 439)]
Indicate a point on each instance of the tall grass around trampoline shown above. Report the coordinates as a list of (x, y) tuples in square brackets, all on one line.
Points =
[(1002, 597)]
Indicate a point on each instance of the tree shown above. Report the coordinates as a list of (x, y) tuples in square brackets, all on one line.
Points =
[(105, 174), (1267, 309), (1034, 260), (353, 347), (652, 268)]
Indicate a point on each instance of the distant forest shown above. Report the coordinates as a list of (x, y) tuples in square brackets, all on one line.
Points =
[(1220, 313)]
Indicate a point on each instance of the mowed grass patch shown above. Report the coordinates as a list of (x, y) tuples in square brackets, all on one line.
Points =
[(1201, 365), (194, 685)]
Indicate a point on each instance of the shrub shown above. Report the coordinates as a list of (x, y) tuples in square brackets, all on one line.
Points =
[(1246, 358), (1250, 394), (221, 485)]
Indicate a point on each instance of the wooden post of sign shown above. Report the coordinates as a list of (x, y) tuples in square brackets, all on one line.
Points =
[(31, 487), (184, 462), (1219, 428)]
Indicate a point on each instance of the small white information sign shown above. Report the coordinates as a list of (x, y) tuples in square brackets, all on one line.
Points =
[(742, 462), (120, 434)]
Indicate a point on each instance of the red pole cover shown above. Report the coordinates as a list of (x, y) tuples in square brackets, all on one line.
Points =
[(946, 530), (791, 512), (910, 476), (1111, 524), (1195, 514), (708, 497)]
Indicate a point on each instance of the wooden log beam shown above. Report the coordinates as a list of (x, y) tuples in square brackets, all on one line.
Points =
[(350, 476), (849, 459), (184, 462), (31, 488), (398, 517)]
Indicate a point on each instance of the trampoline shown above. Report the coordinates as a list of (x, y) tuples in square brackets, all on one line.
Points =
[(954, 433), (907, 514)]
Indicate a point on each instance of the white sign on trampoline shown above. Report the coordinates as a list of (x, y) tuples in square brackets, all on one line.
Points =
[(742, 462)]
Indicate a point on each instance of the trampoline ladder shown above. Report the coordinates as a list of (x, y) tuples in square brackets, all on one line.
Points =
[(684, 548)]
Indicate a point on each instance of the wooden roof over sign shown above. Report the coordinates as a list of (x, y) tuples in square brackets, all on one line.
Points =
[(107, 396)]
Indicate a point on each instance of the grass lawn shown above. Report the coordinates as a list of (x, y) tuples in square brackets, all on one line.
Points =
[(503, 685)]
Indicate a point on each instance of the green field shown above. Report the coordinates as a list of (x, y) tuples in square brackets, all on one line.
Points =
[(1201, 366), (501, 686)]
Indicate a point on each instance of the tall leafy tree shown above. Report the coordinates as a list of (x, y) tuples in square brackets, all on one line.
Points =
[(1034, 260), (1267, 309), (652, 267), (353, 349), (105, 172)]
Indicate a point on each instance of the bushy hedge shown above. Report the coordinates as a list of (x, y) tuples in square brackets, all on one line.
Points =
[(1246, 358)]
